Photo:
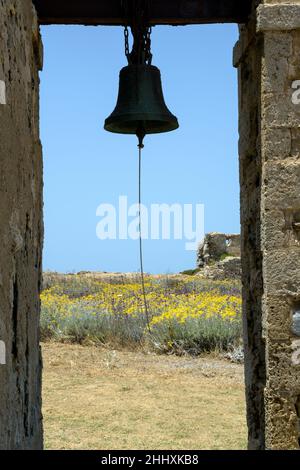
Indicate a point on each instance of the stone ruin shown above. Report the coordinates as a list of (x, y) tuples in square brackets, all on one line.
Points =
[(216, 246), (219, 256)]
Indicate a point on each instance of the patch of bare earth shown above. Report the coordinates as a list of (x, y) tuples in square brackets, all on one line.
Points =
[(94, 398)]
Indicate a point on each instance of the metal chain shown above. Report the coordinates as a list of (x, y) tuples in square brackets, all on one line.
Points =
[(126, 35), (138, 17), (148, 45)]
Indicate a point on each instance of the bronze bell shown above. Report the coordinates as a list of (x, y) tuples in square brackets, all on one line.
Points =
[(141, 106)]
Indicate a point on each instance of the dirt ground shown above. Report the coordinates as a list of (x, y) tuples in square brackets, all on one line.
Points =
[(96, 398)]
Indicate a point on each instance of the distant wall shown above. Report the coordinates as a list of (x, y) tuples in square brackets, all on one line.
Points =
[(215, 245), (21, 227)]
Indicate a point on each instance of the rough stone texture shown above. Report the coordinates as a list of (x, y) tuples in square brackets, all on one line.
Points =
[(229, 268), (215, 245), (267, 56), (21, 228), (281, 17)]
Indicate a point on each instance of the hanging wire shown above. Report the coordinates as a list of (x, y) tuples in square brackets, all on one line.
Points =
[(141, 146)]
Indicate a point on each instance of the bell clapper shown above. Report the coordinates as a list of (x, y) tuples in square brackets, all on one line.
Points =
[(141, 133)]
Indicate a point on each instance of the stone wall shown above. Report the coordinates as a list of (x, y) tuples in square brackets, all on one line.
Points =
[(268, 58), (215, 245), (21, 228)]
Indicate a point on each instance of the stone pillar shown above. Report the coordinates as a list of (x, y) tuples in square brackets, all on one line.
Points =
[(21, 227), (268, 59)]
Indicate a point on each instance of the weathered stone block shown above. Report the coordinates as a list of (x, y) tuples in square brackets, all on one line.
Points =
[(295, 146), (283, 372), (276, 143), (281, 188), (279, 230), (281, 271), (279, 110), (275, 65), (282, 422), (278, 17), (277, 317)]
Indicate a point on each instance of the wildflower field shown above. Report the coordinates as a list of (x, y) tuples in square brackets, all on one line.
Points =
[(187, 314)]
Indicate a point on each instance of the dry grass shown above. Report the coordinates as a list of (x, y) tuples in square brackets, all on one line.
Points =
[(100, 399)]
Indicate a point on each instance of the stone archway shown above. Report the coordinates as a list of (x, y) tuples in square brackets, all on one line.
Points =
[(267, 57)]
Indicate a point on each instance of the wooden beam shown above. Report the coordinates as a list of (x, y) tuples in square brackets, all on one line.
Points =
[(172, 12)]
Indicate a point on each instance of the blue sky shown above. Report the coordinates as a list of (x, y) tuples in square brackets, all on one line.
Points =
[(84, 166)]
